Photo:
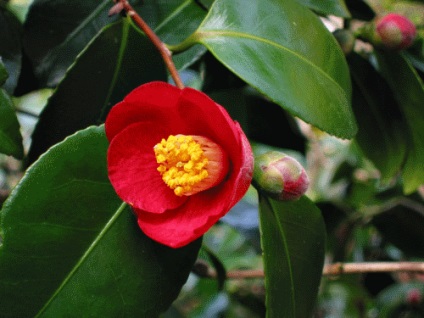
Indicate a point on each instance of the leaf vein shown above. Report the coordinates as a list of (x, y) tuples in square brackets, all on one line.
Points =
[(178, 10), (287, 252), (84, 256)]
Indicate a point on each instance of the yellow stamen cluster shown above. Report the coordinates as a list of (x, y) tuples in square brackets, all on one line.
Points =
[(182, 163)]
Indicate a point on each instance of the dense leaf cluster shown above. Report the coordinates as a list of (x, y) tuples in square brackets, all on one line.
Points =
[(69, 246)]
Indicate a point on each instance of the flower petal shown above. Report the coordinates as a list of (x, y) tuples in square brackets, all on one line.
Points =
[(155, 102), (191, 220), (133, 171), (176, 228)]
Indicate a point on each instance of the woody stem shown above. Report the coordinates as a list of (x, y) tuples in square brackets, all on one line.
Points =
[(163, 50), (333, 269)]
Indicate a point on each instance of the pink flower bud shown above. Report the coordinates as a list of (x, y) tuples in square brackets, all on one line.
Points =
[(280, 176), (395, 31)]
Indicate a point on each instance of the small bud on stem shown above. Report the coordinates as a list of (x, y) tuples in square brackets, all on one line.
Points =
[(280, 176), (395, 32)]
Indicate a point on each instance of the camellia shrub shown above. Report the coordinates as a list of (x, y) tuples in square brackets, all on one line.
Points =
[(211, 158)]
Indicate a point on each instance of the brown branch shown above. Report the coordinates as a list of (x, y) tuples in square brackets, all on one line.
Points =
[(254, 273), (374, 267), (163, 50), (336, 269)]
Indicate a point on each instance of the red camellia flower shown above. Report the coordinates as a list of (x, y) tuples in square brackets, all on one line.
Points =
[(178, 159)]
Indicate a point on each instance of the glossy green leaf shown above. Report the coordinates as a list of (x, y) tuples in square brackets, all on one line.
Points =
[(402, 226), (118, 60), (172, 20), (410, 96), (10, 136), (293, 242), (283, 49), (70, 247), (333, 7), (379, 116), (10, 47)]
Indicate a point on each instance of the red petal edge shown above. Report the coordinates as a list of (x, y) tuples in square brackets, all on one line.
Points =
[(154, 101)]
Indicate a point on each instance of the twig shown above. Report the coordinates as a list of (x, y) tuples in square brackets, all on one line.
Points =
[(254, 273), (163, 50), (336, 269), (374, 267)]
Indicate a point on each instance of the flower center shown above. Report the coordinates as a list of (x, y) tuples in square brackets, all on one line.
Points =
[(190, 164)]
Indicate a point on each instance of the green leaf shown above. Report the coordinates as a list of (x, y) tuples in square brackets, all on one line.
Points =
[(18, 8), (410, 95), (118, 60), (293, 243), (379, 116), (72, 248), (283, 49), (333, 7), (10, 47), (10, 136), (52, 55)]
